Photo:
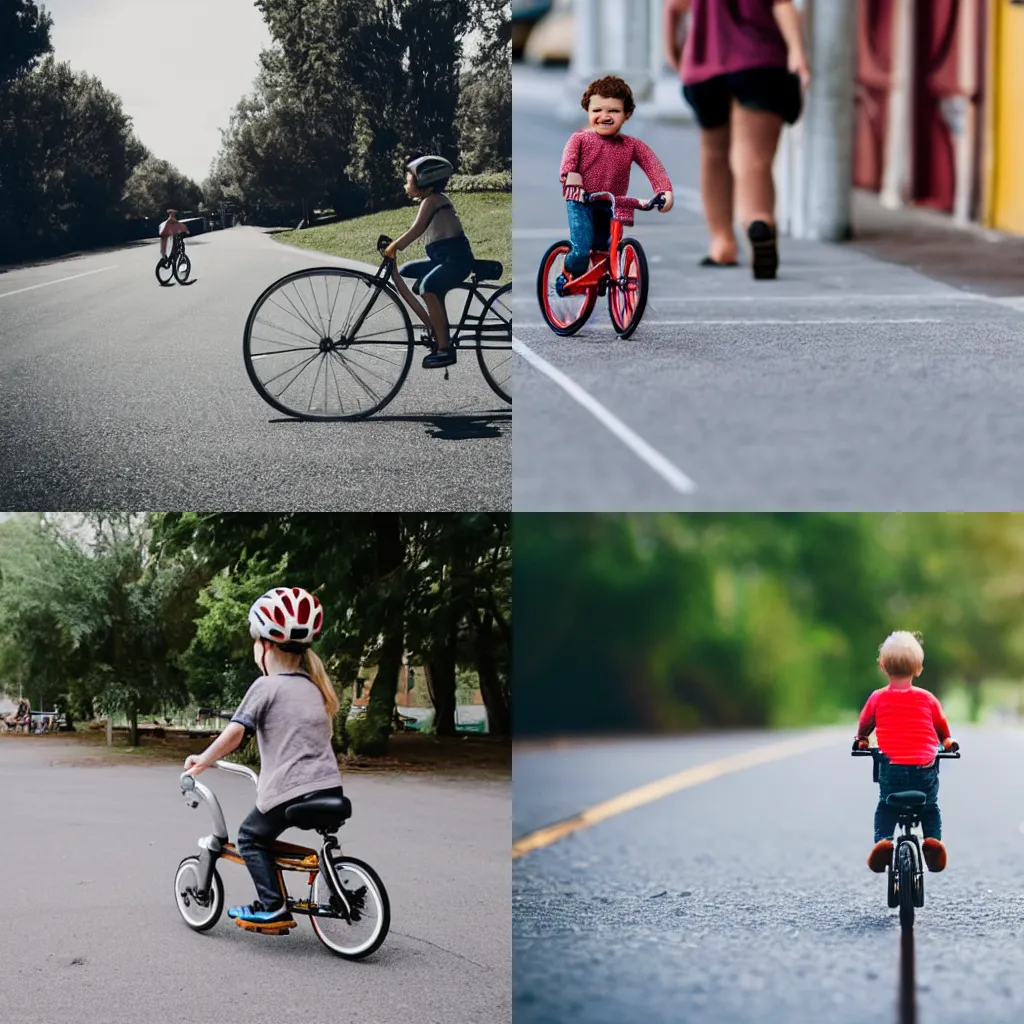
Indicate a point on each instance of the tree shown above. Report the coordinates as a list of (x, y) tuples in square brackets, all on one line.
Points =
[(24, 38), (157, 186)]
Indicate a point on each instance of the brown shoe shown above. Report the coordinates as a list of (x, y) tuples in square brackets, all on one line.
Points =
[(881, 856), (934, 854)]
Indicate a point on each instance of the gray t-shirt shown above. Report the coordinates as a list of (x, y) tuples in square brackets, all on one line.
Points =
[(287, 714)]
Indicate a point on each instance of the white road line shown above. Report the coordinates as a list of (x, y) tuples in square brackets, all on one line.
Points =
[(750, 323), (18, 291), (672, 475)]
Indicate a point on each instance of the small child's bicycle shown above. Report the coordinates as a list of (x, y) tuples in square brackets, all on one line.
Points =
[(906, 871), (621, 273), (347, 905), (177, 263)]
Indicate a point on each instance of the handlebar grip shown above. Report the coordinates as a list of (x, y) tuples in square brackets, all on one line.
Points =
[(382, 243), (188, 782), (954, 748)]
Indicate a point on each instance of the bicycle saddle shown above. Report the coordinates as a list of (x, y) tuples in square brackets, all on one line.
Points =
[(910, 798), (487, 270), (323, 813)]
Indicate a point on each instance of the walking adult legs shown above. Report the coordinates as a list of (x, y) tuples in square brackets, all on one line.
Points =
[(716, 189), (755, 138)]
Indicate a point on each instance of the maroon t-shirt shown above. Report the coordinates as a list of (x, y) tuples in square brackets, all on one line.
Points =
[(731, 35)]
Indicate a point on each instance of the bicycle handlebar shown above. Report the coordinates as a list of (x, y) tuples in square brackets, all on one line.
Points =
[(382, 243), (188, 782), (952, 753), (657, 202)]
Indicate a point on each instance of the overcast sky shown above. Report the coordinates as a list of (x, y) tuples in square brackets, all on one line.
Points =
[(179, 67)]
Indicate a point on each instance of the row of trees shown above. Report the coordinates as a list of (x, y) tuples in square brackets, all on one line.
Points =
[(72, 169), (136, 613), (351, 88), (680, 621)]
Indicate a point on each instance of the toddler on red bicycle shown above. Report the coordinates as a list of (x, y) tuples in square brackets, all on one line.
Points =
[(908, 721), (599, 159)]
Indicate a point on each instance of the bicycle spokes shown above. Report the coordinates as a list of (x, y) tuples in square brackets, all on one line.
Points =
[(564, 309), (327, 343)]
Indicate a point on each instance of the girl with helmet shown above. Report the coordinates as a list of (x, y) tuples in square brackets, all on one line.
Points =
[(449, 256), (290, 708)]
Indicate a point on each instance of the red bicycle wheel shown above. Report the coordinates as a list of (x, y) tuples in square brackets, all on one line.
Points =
[(564, 314), (627, 296)]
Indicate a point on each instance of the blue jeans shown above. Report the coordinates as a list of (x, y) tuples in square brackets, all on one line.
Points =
[(449, 262), (895, 778), (589, 228), (256, 836)]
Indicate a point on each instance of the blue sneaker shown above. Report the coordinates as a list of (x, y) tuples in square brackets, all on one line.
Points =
[(256, 917), (560, 282)]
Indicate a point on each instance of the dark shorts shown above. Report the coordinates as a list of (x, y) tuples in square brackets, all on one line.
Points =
[(771, 89), (449, 262)]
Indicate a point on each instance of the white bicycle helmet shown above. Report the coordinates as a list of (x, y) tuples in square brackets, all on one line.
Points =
[(286, 615), (430, 170)]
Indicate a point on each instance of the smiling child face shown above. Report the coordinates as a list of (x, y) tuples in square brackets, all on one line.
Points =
[(607, 115)]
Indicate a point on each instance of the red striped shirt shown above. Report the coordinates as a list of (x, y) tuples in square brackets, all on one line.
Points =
[(908, 721)]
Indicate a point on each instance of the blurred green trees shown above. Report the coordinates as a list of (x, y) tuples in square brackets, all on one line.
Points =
[(668, 621)]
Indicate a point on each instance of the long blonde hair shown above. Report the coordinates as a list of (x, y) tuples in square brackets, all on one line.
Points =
[(314, 668)]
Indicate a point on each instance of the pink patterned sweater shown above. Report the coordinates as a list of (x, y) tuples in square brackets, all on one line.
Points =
[(604, 163)]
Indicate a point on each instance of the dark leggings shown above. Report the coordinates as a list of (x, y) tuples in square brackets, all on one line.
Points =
[(256, 836)]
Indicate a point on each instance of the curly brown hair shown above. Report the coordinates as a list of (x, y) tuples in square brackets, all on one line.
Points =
[(613, 88)]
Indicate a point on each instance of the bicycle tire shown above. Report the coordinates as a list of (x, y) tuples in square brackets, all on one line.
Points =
[(905, 864), (403, 328), (205, 923), (626, 304), (892, 894), (564, 326), (365, 949), (497, 344), (165, 265), (182, 261)]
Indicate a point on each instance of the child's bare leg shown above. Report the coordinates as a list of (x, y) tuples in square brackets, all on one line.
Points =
[(406, 292), (438, 319), (716, 188)]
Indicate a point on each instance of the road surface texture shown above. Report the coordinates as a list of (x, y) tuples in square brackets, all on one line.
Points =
[(746, 898), (852, 381), (117, 393), (92, 932)]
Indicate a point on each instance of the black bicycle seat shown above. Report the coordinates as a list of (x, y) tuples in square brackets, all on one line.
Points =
[(323, 813), (488, 270), (910, 798)]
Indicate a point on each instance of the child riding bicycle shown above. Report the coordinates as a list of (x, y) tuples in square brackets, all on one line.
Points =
[(449, 256), (290, 709), (599, 159), (170, 227), (908, 721)]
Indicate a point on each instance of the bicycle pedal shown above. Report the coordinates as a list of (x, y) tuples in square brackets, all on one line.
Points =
[(267, 929)]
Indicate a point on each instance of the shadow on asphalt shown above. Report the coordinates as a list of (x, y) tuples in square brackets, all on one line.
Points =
[(446, 427)]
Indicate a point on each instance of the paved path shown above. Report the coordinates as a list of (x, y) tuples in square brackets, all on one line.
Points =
[(117, 393), (849, 382), (746, 897), (92, 932)]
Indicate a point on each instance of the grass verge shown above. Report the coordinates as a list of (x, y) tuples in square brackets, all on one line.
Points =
[(486, 216)]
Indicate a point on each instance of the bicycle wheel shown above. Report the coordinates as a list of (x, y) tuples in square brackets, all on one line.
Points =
[(627, 297), (357, 934), (164, 270), (328, 344), (199, 911), (182, 268), (905, 864), (564, 314), (494, 342)]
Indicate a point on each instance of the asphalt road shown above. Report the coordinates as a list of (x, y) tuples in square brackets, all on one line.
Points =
[(119, 394), (847, 383), (747, 898), (92, 932)]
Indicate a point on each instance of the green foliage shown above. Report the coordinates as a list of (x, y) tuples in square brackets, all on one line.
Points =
[(24, 38), (155, 187), (485, 121), (676, 621), (500, 181)]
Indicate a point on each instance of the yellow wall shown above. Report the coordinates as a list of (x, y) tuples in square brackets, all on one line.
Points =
[(1007, 143)]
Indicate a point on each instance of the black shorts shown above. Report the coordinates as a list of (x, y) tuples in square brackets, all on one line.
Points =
[(771, 89)]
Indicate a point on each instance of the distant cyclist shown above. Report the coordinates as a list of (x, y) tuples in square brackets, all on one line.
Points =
[(449, 256), (170, 227)]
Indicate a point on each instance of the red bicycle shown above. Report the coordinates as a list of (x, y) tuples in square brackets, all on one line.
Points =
[(621, 273)]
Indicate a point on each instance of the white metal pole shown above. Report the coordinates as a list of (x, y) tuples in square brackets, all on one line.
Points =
[(828, 135), (896, 190), (966, 113)]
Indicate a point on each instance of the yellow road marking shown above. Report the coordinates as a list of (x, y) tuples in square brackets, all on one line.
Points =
[(651, 791)]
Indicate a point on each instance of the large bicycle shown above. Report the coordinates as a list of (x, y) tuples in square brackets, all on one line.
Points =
[(620, 273), (332, 343), (905, 873), (176, 264), (347, 904)]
